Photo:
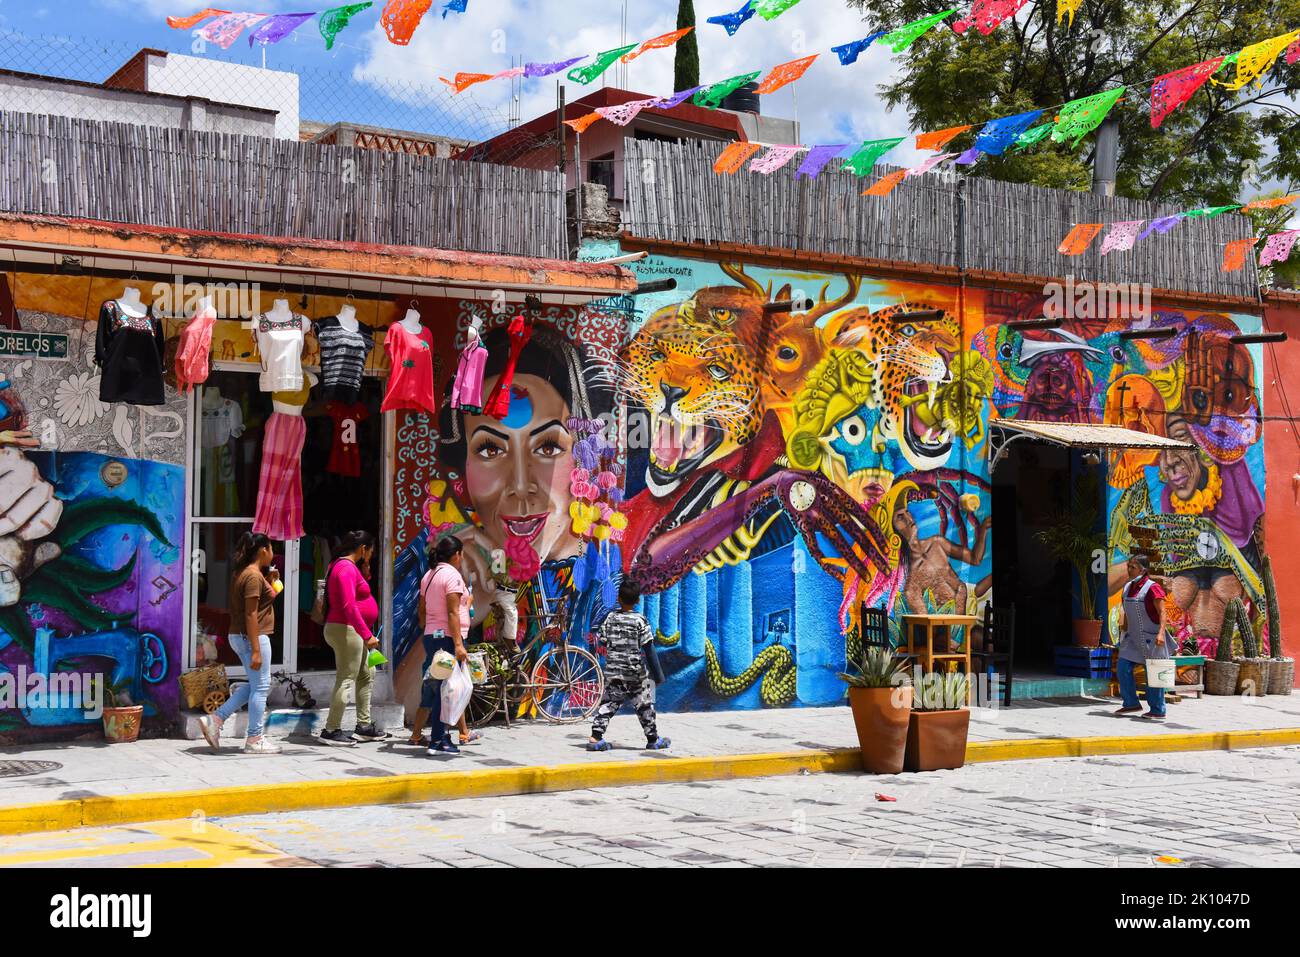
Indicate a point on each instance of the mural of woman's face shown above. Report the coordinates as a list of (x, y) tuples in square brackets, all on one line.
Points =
[(517, 470), (1181, 468)]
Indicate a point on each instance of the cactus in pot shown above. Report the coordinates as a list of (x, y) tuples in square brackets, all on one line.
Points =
[(1281, 678), (1221, 673)]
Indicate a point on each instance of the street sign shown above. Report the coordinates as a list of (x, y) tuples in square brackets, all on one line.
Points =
[(32, 345)]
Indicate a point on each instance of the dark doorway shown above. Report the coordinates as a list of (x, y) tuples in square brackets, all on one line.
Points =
[(1031, 485)]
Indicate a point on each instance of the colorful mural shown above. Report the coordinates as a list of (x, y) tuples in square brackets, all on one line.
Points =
[(91, 539), (765, 474)]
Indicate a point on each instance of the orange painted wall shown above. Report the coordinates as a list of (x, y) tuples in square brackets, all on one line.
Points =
[(1281, 463)]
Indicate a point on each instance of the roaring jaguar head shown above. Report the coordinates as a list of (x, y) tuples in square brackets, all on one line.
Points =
[(699, 388)]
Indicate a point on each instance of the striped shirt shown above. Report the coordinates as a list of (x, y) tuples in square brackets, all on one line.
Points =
[(342, 357)]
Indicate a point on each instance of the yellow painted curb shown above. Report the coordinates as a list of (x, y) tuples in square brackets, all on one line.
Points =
[(1021, 749), (410, 789), (450, 785)]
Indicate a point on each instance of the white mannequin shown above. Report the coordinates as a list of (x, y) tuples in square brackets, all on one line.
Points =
[(212, 399), (411, 322), (280, 311), (130, 303), (348, 318)]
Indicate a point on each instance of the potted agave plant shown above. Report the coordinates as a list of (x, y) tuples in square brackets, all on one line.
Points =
[(939, 723), (1281, 676), (881, 700), (122, 717), (1074, 538)]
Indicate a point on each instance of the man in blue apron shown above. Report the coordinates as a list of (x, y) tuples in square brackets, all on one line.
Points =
[(1142, 635)]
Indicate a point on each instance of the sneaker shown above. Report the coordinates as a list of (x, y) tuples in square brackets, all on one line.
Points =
[(210, 725), (658, 744), (262, 745), (1152, 714), (338, 738), (443, 747), (1127, 711), (369, 732)]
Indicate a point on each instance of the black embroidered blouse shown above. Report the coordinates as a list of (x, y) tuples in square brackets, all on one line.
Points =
[(129, 353)]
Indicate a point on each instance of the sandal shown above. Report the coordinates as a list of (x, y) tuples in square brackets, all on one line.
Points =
[(601, 745), (421, 742), (470, 738)]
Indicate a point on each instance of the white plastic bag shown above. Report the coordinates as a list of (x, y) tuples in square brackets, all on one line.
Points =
[(456, 692)]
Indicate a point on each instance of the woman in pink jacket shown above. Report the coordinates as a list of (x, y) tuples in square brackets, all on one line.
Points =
[(351, 614)]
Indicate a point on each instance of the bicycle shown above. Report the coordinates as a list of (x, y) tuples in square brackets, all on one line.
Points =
[(565, 683)]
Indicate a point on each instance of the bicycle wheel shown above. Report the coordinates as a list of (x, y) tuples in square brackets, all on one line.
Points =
[(567, 683), (484, 703)]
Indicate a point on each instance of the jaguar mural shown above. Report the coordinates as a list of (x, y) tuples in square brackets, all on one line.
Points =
[(766, 471)]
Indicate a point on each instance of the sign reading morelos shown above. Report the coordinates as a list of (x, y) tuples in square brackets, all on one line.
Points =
[(32, 345)]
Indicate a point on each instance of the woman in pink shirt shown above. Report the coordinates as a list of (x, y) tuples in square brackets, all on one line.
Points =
[(351, 614), (444, 606)]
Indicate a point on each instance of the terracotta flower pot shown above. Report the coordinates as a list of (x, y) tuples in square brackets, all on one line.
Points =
[(1087, 633), (936, 740), (881, 722), (122, 725)]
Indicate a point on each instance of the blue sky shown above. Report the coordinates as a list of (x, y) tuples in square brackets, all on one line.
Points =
[(364, 70)]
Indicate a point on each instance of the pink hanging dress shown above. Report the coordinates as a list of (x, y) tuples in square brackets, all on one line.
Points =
[(194, 348)]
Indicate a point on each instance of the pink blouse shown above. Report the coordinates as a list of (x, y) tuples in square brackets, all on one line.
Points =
[(194, 347)]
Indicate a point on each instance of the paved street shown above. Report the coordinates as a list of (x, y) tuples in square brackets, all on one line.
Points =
[(1204, 809)]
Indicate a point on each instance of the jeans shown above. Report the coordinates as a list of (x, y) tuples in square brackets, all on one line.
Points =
[(254, 691), (1128, 689), (431, 689)]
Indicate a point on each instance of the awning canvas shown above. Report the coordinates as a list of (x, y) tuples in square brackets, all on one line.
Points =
[(1075, 435)]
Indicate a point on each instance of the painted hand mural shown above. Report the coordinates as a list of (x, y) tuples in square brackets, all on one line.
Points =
[(90, 559)]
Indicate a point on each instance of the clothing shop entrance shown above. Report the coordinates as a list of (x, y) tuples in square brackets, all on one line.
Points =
[(343, 490)]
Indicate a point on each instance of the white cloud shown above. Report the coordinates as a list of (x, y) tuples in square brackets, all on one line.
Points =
[(834, 103)]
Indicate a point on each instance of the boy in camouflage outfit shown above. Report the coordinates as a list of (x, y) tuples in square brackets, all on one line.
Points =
[(630, 663)]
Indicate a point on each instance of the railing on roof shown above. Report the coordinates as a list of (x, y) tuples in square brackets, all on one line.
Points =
[(255, 185), (938, 219)]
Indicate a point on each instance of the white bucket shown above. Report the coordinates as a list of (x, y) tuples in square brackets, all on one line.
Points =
[(1161, 672), (444, 663)]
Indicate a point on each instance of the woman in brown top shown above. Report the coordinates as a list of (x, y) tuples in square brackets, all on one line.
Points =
[(252, 619)]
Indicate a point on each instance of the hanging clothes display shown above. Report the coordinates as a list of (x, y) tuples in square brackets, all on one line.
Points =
[(343, 354), (194, 347), (521, 330), (279, 484), (279, 342), (129, 353), (345, 456), (410, 372), (222, 422), (467, 392)]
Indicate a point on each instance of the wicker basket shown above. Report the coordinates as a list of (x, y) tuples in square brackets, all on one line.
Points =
[(1221, 677), (1253, 677), (199, 684), (1281, 676)]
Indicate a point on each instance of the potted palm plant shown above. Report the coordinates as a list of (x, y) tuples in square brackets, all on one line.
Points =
[(121, 717), (1074, 538), (881, 701), (939, 722)]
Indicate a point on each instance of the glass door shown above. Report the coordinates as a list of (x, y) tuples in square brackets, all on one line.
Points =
[(230, 414)]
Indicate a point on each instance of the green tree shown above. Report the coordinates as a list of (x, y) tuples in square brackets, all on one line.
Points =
[(1216, 149), (686, 64)]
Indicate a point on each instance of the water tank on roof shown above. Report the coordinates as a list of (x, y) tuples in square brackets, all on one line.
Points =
[(743, 100)]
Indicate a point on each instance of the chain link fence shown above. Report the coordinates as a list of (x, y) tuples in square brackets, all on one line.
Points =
[(95, 79)]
